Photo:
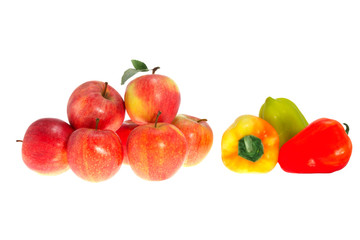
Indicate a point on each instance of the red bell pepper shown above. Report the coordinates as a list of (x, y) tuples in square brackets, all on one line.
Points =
[(322, 147)]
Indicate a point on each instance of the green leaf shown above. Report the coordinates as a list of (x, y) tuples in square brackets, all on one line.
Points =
[(138, 65), (128, 74)]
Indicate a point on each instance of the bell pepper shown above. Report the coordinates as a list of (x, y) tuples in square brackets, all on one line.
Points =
[(284, 116), (250, 145), (322, 147)]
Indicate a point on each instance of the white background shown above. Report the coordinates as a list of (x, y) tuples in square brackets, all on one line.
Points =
[(226, 57)]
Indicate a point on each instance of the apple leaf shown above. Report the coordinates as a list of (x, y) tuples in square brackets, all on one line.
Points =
[(128, 74), (138, 65)]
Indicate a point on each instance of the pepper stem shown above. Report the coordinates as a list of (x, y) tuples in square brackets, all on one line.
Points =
[(250, 148), (347, 128), (157, 118), (97, 123)]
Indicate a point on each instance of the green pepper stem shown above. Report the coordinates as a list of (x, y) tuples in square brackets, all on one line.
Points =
[(347, 128), (250, 148), (248, 144)]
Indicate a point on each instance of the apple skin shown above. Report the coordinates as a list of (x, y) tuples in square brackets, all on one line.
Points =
[(148, 94), (123, 132), (199, 137), (87, 103), (94, 155), (44, 146), (156, 153)]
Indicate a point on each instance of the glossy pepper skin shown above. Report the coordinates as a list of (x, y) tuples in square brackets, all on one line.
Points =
[(284, 116), (250, 145), (322, 147)]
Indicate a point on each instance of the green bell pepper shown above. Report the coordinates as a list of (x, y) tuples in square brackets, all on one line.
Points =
[(284, 116)]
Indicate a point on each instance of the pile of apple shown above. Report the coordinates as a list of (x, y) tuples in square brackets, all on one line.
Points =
[(156, 142)]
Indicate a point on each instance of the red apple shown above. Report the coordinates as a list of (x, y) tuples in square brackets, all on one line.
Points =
[(44, 146), (146, 95), (94, 155), (95, 99), (156, 151), (199, 137), (123, 132)]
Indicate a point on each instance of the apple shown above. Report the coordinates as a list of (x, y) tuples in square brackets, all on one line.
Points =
[(156, 151), (44, 146), (95, 99), (94, 155), (199, 137), (123, 132), (148, 94)]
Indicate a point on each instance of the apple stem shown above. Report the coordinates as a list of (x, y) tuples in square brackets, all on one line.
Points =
[(19, 140), (157, 118), (202, 120), (97, 123), (155, 69), (105, 88)]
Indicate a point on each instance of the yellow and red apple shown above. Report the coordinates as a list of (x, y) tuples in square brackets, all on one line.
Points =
[(199, 137), (44, 146), (148, 94), (95, 99), (156, 151)]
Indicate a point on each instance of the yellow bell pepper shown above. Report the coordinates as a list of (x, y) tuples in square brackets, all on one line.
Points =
[(250, 145)]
